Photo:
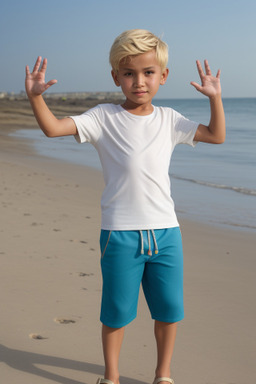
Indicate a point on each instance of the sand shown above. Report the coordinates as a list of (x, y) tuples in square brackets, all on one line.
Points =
[(51, 282)]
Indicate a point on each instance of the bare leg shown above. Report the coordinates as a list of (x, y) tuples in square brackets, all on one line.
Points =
[(165, 334), (112, 339)]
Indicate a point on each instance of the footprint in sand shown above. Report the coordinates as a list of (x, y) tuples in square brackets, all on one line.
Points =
[(34, 224), (36, 336), (60, 320), (82, 274)]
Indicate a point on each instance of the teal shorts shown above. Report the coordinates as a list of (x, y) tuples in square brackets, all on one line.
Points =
[(153, 258)]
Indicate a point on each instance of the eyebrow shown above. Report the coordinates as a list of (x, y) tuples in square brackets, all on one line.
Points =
[(145, 69)]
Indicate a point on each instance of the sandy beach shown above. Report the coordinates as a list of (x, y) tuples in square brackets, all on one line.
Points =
[(51, 282)]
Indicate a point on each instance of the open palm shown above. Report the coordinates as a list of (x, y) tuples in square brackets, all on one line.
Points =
[(35, 80), (210, 85)]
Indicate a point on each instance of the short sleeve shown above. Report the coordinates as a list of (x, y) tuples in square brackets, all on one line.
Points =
[(89, 125), (184, 130)]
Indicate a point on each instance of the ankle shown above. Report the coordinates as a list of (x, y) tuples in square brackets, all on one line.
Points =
[(162, 373), (163, 380), (112, 377)]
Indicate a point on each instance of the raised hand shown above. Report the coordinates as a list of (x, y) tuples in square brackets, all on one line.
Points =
[(210, 85), (35, 81)]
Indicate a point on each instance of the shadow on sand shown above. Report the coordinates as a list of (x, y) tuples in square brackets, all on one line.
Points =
[(27, 361)]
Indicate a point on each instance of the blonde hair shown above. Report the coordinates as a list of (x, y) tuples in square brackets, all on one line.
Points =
[(134, 42)]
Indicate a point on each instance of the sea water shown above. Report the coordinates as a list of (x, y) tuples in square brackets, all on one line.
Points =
[(210, 183)]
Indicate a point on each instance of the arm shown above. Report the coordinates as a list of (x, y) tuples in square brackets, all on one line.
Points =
[(35, 86), (215, 132)]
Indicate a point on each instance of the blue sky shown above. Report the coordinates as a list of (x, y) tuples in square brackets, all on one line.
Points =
[(76, 37)]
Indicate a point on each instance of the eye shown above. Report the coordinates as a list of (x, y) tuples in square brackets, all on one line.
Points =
[(149, 72), (128, 74)]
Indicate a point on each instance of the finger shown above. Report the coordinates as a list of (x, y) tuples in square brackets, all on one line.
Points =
[(207, 68), (200, 69), (50, 83), (27, 70), (197, 86), (218, 74), (37, 64), (44, 66)]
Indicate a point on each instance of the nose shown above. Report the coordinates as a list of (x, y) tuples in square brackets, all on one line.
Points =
[(139, 81)]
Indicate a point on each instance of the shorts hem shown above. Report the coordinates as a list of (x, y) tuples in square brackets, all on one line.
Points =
[(168, 320), (117, 325)]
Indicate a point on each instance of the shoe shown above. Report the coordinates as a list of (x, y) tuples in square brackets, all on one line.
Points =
[(159, 379), (104, 381)]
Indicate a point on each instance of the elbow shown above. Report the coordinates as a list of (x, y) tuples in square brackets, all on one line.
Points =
[(220, 140), (213, 139), (49, 134), (50, 130)]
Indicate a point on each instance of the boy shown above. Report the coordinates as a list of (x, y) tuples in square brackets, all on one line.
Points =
[(140, 238)]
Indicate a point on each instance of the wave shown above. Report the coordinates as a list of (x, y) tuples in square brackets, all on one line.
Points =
[(236, 225), (242, 190)]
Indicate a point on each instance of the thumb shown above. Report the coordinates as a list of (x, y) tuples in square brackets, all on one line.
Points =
[(197, 86), (50, 83)]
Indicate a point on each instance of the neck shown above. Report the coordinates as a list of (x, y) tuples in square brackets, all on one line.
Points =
[(138, 109)]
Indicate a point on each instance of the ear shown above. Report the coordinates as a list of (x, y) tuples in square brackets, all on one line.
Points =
[(115, 78), (164, 76)]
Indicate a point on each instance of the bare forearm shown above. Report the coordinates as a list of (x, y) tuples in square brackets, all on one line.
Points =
[(215, 132), (45, 118), (217, 126), (50, 125)]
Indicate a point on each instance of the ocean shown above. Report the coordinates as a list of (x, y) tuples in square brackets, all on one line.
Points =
[(210, 183)]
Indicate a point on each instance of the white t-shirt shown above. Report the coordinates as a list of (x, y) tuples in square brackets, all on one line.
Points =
[(135, 153)]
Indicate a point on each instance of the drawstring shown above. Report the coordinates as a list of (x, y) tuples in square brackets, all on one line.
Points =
[(155, 242), (149, 242), (142, 243)]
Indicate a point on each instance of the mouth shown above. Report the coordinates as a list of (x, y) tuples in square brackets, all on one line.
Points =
[(139, 93)]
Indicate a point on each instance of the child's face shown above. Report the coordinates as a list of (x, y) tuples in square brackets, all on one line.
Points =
[(140, 78)]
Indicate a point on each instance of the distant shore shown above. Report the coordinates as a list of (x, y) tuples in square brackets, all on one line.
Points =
[(68, 95), (15, 108)]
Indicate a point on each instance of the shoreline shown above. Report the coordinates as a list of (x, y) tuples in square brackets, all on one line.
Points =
[(51, 285)]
